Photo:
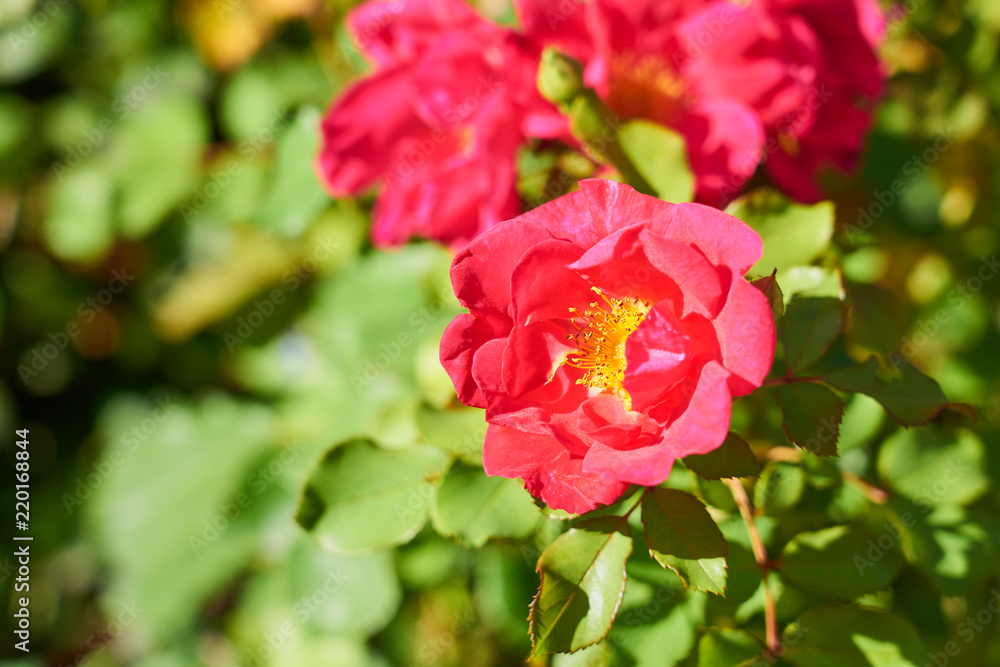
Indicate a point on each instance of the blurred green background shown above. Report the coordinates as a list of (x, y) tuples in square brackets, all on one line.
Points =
[(189, 322)]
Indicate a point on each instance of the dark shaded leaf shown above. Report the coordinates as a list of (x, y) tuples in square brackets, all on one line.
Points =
[(911, 399), (848, 636), (808, 329), (681, 535), (811, 416), (732, 458), (843, 562)]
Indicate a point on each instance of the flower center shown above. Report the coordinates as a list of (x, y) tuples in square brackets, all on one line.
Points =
[(601, 332), (644, 87)]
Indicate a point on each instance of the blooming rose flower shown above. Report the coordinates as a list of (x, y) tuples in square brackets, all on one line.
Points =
[(607, 335), (635, 57), (789, 80), (808, 68), (438, 122)]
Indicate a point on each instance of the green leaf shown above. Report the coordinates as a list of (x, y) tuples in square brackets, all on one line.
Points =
[(935, 466), (459, 431), (911, 399), (156, 154), (477, 508), (732, 458), (294, 197), (779, 488), (808, 329), (769, 286), (202, 521), (582, 584), (364, 497), (660, 156), (818, 281), (843, 562), (953, 545), (838, 636), (681, 535), (728, 646), (811, 416), (793, 234), (78, 223), (366, 588)]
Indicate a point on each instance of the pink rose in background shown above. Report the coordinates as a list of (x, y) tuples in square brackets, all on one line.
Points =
[(452, 98), (607, 335), (808, 68), (801, 74), (635, 58), (438, 123)]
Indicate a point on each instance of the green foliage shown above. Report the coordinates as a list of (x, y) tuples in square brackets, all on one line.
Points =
[(793, 234), (659, 154), (682, 536), (391, 488), (833, 636), (726, 646), (732, 458), (935, 466), (879, 540), (831, 562), (811, 416), (477, 508), (911, 399), (808, 329), (582, 584)]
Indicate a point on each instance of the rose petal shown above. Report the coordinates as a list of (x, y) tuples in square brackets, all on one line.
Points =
[(532, 355), (548, 470), (658, 355), (544, 287), (481, 273), (745, 331), (461, 340), (699, 429)]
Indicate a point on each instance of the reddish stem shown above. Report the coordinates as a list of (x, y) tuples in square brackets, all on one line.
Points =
[(760, 555)]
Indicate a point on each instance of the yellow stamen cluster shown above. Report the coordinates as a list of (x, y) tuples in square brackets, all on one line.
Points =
[(600, 336), (645, 87)]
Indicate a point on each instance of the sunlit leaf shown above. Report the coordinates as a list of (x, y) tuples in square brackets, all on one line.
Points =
[(582, 583), (681, 535), (391, 489)]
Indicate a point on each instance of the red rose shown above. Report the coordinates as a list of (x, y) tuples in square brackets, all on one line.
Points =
[(438, 121), (608, 333)]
